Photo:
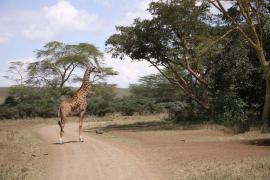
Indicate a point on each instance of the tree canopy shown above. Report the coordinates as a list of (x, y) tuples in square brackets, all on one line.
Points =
[(174, 41), (57, 62)]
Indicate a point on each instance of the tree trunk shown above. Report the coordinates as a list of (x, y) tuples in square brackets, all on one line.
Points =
[(266, 108)]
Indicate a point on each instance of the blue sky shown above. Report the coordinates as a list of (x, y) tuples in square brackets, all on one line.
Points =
[(27, 25)]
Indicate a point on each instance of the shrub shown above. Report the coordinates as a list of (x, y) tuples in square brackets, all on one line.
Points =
[(30, 102), (232, 111)]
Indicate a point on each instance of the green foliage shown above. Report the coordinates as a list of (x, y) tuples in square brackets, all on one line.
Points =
[(179, 34), (155, 87), (126, 105), (130, 105), (157, 40), (231, 110), (236, 85), (173, 42), (58, 62), (151, 95), (101, 102), (30, 102)]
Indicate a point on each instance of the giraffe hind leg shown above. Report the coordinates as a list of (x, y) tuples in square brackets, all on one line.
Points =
[(82, 112), (61, 126), (61, 123), (61, 133)]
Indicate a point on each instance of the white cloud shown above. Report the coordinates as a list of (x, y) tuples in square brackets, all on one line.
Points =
[(129, 71), (106, 3), (49, 22), (5, 37), (64, 16)]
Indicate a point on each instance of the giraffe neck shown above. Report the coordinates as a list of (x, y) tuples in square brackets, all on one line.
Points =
[(84, 89)]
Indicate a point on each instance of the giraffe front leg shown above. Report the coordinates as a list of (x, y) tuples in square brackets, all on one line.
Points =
[(61, 132), (80, 125), (61, 123), (61, 137)]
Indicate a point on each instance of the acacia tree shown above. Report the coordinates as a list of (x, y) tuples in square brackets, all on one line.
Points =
[(175, 41), (58, 62), (17, 72), (251, 19)]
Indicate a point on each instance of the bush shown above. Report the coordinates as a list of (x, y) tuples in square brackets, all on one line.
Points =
[(26, 102), (101, 102), (232, 111), (130, 105)]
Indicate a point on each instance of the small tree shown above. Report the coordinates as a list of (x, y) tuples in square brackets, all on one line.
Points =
[(17, 72)]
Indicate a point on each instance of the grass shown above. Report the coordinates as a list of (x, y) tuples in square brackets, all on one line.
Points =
[(22, 152), (246, 169)]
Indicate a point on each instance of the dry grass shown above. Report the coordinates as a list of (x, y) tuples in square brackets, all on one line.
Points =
[(22, 152), (245, 169)]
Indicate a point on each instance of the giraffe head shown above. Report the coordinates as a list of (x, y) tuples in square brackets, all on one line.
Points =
[(94, 69)]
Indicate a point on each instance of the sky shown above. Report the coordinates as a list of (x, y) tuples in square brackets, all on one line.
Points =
[(28, 25)]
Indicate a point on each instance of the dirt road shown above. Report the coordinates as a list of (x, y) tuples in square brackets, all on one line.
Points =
[(91, 160), (136, 154)]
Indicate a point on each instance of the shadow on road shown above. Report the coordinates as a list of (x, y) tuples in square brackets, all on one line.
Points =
[(66, 142), (258, 142), (145, 126)]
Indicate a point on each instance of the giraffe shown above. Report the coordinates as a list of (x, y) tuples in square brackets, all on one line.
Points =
[(76, 102)]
